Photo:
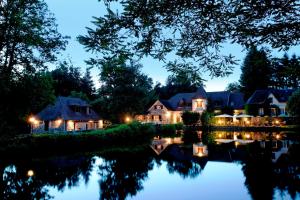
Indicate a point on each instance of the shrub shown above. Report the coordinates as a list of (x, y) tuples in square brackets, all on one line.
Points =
[(293, 104), (167, 129), (206, 118), (190, 118)]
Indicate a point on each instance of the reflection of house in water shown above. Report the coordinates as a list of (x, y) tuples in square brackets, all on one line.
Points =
[(160, 144), (273, 140), (200, 150), (279, 147)]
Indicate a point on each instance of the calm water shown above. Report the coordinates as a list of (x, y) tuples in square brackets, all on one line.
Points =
[(239, 169)]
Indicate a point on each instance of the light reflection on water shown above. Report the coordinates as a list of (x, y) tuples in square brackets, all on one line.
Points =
[(228, 172)]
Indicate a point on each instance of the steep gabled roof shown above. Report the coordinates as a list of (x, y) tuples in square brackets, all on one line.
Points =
[(219, 99), (61, 109), (200, 93), (236, 100), (260, 96), (175, 100)]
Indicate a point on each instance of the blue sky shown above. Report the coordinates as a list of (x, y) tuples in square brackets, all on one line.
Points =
[(74, 15)]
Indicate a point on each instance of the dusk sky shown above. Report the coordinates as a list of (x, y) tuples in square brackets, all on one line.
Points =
[(74, 15)]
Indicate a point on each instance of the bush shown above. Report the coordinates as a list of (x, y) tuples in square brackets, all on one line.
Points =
[(190, 118), (293, 104), (167, 130), (206, 118), (190, 136), (122, 135)]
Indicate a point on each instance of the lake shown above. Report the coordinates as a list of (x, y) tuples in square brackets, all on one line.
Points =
[(224, 165)]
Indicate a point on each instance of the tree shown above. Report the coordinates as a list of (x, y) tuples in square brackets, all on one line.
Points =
[(256, 72), (190, 118), (176, 83), (293, 104), (193, 31), (87, 83), (125, 91), (233, 87), (28, 41), (286, 72), (67, 78)]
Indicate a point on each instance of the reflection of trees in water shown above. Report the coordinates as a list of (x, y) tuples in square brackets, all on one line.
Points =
[(263, 176), (123, 175), (180, 160), (186, 169), (59, 172)]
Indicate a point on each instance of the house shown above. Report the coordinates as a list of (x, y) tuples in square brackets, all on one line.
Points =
[(219, 101), (271, 102), (66, 114), (169, 111)]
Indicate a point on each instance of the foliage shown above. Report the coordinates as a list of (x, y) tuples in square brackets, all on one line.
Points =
[(286, 72), (125, 91), (227, 110), (192, 31), (80, 95), (28, 41), (251, 109), (35, 91), (206, 118), (256, 64), (190, 118), (178, 83), (233, 87), (166, 130), (190, 136), (293, 104)]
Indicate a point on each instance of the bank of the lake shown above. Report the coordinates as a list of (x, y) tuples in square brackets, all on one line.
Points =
[(125, 135)]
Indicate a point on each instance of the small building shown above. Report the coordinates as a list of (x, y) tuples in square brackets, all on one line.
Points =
[(66, 114), (271, 102)]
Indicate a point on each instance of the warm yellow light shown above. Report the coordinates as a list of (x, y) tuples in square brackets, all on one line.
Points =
[(59, 121), (168, 114), (247, 122), (277, 122), (127, 119), (220, 135), (247, 136), (200, 154), (30, 173), (90, 121), (277, 136), (219, 122), (31, 119)]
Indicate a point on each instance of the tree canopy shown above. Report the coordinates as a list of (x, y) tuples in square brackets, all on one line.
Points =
[(124, 91), (286, 72), (28, 41), (256, 72), (192, 31)]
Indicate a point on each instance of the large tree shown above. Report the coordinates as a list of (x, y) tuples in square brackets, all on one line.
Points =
[(286, 72), (28, 41), (124, 90), (256, 72), (176, 83), (192, 32)]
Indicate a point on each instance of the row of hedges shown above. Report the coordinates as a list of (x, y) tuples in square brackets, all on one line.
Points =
[(122, 135)]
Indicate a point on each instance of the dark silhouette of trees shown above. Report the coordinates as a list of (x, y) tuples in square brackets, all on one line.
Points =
[(28, 41), (256, 72), (192, 31), (124, 92)]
